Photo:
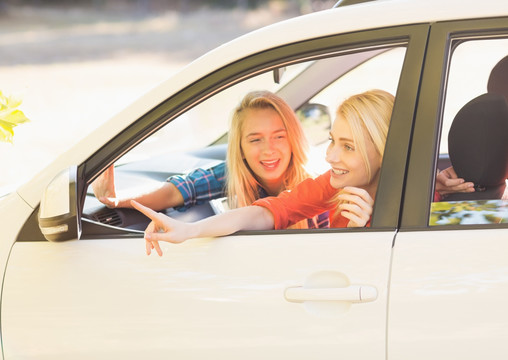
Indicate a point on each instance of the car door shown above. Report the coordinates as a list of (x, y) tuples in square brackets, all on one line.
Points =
[(448, 286), (272, 294)]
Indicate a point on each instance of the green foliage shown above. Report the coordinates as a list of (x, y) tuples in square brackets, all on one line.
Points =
[(10, 117), (469, 212)]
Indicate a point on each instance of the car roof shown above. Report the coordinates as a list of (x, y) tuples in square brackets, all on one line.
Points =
[(344, 19), (329, 22)]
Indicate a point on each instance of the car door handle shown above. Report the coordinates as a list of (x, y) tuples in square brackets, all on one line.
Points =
[(352, 293)]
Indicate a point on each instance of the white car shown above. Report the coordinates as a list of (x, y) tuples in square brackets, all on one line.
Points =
[(427, 280)]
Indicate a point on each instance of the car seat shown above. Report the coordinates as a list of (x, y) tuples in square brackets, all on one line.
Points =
[(498, 79), (478, 146)]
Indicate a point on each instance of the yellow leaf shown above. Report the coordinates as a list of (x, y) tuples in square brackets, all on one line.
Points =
[(10, 117)]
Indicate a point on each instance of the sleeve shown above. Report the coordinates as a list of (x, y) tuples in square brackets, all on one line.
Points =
[(309, 198), (200, 185)]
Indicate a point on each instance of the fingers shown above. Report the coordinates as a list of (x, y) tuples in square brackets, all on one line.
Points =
[(148, 246), (355, 220), (464, 187), (448, 182), (156, 231), (450, 172), (109, 201), (356, 205), (447, 186), (162, 228), (153, 215), (356, 195), (152, 245), (157, 247), (357, 215), (152, 228)]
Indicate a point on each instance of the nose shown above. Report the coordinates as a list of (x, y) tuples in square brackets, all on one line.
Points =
[(332, 154), (269, 146)]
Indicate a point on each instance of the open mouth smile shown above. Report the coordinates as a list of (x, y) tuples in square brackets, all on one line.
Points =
[(339, 171), (270, 164)]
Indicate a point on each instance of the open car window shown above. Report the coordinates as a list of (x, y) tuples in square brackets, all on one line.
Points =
[(474, 136), (197, 138)]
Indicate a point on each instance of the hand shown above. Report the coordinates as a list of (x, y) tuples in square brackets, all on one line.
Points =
[(356, 205), (448, 182), (162, 228), (104, 188)]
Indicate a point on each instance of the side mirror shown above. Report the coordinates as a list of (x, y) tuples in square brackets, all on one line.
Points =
[(58, 213), (316, 122)]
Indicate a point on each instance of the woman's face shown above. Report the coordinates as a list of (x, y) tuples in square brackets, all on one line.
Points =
[(348, 167), (266, 148)]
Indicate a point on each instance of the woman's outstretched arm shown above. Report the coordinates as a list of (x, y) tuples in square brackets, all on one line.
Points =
[(165, 228)]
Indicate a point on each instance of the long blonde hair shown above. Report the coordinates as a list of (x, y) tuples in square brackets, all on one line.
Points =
[(370, 111), (368, 115), (242, 186)]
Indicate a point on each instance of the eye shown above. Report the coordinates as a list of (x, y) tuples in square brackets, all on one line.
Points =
[(254, 140), (330, 139), (349, 147)]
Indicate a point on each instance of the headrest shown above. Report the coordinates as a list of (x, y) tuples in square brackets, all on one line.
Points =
[(478, 146), (498, 79)]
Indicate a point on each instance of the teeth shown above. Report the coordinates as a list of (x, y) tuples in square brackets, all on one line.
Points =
[(269, 163), (339, 172)]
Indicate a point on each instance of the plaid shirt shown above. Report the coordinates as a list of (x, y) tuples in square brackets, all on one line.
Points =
[(202, 185)]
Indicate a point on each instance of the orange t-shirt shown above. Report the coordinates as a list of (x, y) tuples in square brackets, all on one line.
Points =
[(309, 198)]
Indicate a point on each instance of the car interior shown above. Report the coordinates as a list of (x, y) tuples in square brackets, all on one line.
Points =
[(478, 151), (312, 88)]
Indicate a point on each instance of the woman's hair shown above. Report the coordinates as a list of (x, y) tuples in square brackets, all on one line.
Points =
[(370, 111), (242, 185)]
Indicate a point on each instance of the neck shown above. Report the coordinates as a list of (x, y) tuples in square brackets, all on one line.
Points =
[(273, 188)]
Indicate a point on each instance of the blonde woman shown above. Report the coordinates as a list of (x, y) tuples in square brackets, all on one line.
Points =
[(267, 152), (347, 190)]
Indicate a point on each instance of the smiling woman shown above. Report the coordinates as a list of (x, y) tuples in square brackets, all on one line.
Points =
[(267, 149), (347, 191), (267, 153)]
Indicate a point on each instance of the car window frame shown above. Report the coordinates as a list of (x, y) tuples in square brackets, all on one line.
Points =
[(389, 195), (413, 36), (424, 152)]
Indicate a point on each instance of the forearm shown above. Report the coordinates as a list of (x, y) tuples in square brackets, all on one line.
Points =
[(245, 218), (163, 197)]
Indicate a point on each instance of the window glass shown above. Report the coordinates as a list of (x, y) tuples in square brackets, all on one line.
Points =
[(474, 136)]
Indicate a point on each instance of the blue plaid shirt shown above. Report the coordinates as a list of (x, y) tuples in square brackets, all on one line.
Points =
[(204, 185)]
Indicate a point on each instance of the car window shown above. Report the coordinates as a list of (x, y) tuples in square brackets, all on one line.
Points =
[(198, 137), (474, 139)]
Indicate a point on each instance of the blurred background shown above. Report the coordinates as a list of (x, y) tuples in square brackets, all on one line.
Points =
[(76, 63)]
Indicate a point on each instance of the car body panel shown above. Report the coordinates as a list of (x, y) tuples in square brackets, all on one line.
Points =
[(233, 285), (449, 289), (14, 213)]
